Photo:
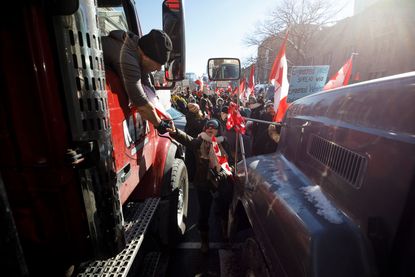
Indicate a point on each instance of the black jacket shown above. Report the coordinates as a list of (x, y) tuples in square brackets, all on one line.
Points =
[(201, 177)]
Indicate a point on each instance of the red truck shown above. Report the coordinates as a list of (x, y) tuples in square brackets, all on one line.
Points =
[(83, 176)]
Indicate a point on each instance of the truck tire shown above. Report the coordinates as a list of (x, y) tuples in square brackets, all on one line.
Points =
[(178, 201)]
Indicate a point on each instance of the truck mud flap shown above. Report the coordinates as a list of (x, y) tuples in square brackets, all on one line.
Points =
[(137, 218)]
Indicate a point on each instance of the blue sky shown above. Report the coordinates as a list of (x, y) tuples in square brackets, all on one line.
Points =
[(214, 28)]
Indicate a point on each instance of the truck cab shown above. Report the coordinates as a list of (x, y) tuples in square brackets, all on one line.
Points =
[(337, 198), (83, 176)]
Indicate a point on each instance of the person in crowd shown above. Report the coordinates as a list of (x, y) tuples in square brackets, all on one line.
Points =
[(217, 108), (179, 102), (209, 176), (133, 59), (192, 99), (195, 121), (222, 118), (263, 143), (205, 105), (256, 109)]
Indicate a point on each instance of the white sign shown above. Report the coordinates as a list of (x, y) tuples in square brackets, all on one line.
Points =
[(306, 80)]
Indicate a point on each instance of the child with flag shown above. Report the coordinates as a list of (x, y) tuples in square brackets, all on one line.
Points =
[(212, 171)]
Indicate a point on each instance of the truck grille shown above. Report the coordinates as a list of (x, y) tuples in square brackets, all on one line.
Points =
[(347, 164)]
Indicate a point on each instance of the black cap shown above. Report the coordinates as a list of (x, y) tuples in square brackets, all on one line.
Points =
[(225, 109), (156, 45)]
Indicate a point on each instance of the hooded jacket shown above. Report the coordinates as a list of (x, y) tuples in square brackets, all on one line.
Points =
[(199, 146), (122, 56)]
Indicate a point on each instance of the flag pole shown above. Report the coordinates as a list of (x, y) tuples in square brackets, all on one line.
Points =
[(236, 137), (241, 141)]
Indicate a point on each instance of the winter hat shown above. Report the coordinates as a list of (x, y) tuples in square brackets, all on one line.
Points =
[(213, 123), (193, 107), (253, 98), (225, 109), (156, 45)]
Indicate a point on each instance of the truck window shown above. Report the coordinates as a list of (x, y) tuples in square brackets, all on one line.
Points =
[(112, 18)]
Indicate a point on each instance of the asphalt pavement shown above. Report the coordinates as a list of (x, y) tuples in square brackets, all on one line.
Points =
[(187, 260)]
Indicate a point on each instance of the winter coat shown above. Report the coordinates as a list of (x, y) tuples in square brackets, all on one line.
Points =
[(121, 55), (203, 161)]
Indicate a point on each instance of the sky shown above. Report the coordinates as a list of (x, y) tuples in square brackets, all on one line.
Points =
[(214, 28)]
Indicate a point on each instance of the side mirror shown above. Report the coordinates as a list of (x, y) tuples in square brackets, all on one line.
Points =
[(224, 69), (173, 25)]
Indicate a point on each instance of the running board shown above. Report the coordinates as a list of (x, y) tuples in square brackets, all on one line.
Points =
[(137, 218)]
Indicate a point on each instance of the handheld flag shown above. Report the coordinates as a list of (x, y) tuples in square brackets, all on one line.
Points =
[(341, 78), (278, 77), (251, 80), (222, 160)]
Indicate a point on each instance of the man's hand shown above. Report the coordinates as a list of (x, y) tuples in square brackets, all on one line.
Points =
[(164, 126), (171, 129)]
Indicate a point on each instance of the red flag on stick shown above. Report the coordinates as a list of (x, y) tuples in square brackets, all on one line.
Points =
[(341, 78), (235, 91), (251, 80), (241, 88), (278, 77), (235, 119)]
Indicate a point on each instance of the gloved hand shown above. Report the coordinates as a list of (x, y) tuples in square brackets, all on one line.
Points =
[(221, 176), (162, 128)]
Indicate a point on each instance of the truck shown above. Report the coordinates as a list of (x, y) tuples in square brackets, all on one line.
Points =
[(337, 197), (83, 178)]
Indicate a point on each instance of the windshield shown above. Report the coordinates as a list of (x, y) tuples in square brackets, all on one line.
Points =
[(174, 113)]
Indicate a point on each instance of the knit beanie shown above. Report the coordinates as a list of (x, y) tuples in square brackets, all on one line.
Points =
[(156, 45)]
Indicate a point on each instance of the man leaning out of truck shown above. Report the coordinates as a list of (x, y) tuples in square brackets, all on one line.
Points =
[(133, 59)]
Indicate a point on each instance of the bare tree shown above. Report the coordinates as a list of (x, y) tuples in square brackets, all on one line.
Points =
[(303, 19)]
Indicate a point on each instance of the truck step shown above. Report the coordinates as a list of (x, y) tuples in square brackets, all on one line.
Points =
[(137, 218)]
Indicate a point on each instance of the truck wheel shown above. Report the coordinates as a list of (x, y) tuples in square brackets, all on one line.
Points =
[(178, 201), (252, 260)]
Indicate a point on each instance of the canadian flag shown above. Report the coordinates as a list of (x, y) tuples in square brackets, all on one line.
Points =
[(242, 84), (235, 91), (243, 92), (222, 160), (341, 78), (251, 80), (278, 77)]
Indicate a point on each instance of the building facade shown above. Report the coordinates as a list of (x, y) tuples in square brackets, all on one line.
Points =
[(382, 35)]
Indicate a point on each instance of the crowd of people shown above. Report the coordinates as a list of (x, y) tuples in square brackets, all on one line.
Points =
[(259, 138), (206, 117), (208, 142)]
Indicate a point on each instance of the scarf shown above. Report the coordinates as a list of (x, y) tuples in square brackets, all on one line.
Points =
[(207, 152)]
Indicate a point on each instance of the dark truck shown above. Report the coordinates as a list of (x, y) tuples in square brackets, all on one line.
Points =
[(338, 196), (83, 178)]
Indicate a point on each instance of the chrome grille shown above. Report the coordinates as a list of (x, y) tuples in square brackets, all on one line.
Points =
[(345, 163)]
